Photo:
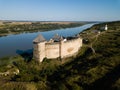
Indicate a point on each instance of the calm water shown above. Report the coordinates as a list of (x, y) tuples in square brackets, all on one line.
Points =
[(12, 44)]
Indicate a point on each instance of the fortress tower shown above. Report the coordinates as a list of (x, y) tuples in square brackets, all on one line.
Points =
[(39, 48)]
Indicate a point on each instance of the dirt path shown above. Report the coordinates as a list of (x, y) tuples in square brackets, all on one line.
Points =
[(91, 45)]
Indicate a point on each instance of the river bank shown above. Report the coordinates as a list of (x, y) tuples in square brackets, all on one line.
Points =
[(8, 28)]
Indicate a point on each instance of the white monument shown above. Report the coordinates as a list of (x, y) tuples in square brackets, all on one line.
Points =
[(106, 27)]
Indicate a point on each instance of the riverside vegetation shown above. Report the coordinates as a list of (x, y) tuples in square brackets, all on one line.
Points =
[(88, 70), (9, 28)]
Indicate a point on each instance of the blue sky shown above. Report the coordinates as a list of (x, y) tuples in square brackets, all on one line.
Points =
[(60, 10)]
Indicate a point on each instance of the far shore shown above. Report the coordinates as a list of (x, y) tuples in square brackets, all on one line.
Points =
[(17, 27)]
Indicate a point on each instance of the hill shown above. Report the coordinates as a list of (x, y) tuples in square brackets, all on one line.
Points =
[(95, 67)]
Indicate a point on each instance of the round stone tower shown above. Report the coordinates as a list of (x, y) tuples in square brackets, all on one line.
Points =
[(39, 48)]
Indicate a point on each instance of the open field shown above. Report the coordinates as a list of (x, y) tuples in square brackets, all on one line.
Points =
[(28, 22)]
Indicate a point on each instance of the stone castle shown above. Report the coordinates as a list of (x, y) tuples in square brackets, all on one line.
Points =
[(57, 47)]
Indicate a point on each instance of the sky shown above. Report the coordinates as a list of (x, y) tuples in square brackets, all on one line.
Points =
[(60, 10)]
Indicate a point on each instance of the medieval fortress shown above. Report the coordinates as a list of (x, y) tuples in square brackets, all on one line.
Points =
[(57, 47)]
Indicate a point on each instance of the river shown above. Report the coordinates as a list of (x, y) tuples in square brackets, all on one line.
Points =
[(13, 44)]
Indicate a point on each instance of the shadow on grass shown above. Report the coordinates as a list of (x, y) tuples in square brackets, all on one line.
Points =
[(79, 64), (27, 54), (106, 82)]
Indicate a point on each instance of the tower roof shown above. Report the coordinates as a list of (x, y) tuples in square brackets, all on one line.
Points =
[(39, 38), (56, 37)]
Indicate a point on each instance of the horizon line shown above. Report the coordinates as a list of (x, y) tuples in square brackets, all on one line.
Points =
[(59, 20)]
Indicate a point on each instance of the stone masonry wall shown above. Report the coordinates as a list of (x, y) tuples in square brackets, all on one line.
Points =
[(52, 50), (70, 47), (56, 49)]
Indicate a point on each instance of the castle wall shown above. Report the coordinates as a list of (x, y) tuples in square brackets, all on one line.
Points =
[(52, 50), (62, 49), (56, 49), (70, 47)]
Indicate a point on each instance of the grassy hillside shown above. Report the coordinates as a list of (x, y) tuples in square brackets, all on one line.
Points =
[(96, 67)]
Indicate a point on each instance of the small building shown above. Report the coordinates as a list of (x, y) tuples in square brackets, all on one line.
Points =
[(106, 27), (95, 31)]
